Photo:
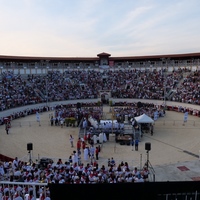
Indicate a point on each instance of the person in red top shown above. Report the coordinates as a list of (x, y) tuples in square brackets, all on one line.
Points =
[(6, 196), (42, 197), (85, 137), (83, 145), (79, 145), (17, 197)]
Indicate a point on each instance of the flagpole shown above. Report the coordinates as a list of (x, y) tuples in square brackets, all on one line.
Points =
[(46, 93), (47, 87)]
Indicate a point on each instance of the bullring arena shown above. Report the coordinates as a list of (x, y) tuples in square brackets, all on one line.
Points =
[(168, 143), (175, 144)]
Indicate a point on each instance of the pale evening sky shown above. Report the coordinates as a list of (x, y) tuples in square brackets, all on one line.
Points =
[(84, 28)]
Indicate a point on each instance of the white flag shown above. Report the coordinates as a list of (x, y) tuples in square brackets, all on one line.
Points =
[(185, 116), (37, 117)]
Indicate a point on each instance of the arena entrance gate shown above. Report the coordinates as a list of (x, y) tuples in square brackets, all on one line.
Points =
[(105, 95)]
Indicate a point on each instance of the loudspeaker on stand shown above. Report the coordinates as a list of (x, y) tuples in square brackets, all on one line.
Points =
[(29, 146), (148, 146)]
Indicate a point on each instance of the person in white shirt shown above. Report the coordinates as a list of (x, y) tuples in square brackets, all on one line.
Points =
[(29, 196), (61, 122), (2, 172), (94, 137), (84, 125), (17, 197), (86, 154), (71, 139), (15, 163), (92, 151), (6, 166), (75, 157), (104, 137)]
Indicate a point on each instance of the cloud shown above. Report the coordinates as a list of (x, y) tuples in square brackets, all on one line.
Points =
[(86, 28)]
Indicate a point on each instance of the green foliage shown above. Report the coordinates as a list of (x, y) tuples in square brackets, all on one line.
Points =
[(70, 121), (99, 103)]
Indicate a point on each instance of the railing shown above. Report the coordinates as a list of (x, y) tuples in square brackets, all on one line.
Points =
[(165, 123), (185, 195), (179, 124), (39, 93), (11, 189)]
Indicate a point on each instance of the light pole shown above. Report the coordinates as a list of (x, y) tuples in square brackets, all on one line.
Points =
[(164, 80), (150, 66), (165, 61), (1, 70), (147, 159), (47, 87)]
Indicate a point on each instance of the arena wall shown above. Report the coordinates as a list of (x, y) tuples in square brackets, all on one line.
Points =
[(52, 104)]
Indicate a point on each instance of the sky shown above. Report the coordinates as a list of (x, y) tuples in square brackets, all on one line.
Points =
[(85, 28)]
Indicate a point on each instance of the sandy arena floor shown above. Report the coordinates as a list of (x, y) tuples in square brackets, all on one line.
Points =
[(171, 144)]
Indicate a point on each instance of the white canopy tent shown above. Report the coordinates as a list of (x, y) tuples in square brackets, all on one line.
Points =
[(144, 119)]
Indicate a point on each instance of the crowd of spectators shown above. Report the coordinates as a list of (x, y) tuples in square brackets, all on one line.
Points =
[(61, 111), (71, 110), (133, 110), (19, 90), (189, 90), (146, 84), (60, 172), (17, 171), (16, 91), (72, 172)]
